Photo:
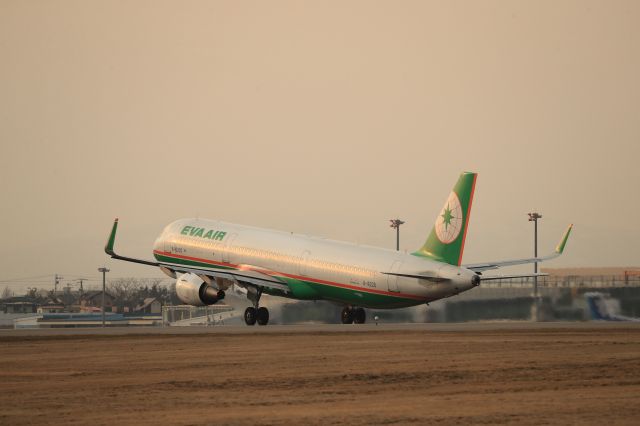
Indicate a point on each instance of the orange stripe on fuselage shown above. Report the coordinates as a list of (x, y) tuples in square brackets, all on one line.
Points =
[(297, 277)]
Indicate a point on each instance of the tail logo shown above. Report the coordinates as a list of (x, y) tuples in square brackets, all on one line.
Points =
[(449, 221)]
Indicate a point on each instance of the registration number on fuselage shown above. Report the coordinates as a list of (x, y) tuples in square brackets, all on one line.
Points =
[(364, 283)]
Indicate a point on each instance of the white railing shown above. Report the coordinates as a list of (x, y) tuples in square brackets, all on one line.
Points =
[(592, 281), (186, 315)]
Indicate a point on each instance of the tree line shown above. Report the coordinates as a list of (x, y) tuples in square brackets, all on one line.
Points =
[(125, 291)]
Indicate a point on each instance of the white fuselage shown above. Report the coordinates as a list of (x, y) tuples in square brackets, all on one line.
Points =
[(313, 268)]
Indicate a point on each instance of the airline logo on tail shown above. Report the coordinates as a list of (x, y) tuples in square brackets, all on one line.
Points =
[(445, 243), (449, 222)]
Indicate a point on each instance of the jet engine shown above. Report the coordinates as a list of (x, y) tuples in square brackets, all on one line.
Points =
[(192, 290)]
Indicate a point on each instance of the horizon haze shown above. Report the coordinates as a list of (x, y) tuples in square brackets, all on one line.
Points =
[(321, 118)]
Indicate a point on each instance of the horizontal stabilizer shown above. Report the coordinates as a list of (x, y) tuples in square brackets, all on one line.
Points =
[(429, 277), (509, 277)]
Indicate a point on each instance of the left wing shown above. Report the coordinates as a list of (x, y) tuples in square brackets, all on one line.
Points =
[(108, 248), (480, 267), (244, 274)]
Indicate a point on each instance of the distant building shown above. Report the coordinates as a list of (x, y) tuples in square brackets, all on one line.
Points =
[(69, 298), (150, 305), (121, 308), (18, 305), (52, 306), (91, 301)]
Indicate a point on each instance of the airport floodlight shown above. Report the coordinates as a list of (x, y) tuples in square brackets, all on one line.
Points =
[(395, 223), (533, 217), (104, 281)]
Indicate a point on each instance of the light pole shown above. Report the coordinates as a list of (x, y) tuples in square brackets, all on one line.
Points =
[(533, 217), (395, 223), (104, 284)]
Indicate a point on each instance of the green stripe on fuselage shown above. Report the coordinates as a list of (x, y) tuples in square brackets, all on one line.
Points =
[(309, 290)]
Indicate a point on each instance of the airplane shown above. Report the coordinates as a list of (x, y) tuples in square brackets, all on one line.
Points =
[(604, 308), (207, 257)]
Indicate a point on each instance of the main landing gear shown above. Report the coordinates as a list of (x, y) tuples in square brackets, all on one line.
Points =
[(256, 313), (353, 315), (253, 315)]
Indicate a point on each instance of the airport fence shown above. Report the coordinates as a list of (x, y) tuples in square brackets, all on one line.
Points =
[(186, 315), (569, 281)]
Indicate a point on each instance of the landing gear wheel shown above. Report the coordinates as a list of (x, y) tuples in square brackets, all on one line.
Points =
[(250, 316), (221, 295), (359, 316), (262, 316), (347, 315)]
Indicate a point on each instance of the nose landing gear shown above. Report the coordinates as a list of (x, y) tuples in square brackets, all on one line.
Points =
[(353, 315)]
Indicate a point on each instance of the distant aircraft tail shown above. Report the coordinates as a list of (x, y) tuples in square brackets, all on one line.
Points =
[(597, 306), (604, 308), (446, 240)]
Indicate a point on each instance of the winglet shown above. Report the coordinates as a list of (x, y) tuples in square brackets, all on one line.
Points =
[(108, 248), (563, 241)]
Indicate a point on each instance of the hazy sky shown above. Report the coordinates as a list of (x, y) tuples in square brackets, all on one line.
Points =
[(325, 117)]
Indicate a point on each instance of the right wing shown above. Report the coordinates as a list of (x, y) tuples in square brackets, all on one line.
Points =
[(481, 267)]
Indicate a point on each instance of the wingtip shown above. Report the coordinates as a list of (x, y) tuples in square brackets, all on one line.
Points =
[(563, 241), (108, 248)]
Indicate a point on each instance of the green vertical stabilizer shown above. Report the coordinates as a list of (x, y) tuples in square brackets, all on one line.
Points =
[(446, 240)]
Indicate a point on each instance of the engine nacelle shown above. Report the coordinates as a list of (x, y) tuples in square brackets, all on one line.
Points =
[(192, 290)]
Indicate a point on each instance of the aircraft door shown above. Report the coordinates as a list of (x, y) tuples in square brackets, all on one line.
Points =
[(304, 261), (170, 246), (392, 280), (227, 248)]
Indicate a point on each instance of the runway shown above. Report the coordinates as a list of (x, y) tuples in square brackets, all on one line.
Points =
[(504, 372), (321, 328)]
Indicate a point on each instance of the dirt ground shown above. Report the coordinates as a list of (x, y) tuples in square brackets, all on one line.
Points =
[(561, 376)]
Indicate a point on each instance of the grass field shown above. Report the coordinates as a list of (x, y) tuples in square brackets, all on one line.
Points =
[(529, 376)]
